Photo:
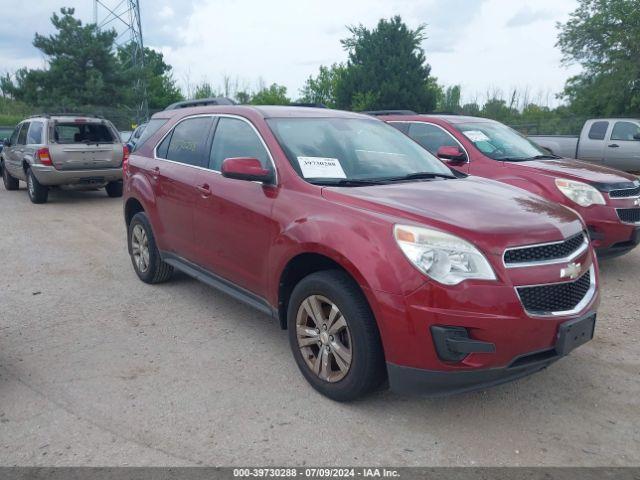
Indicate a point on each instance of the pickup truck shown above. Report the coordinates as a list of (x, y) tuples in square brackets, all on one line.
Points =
[(607, 199), (613, 142)]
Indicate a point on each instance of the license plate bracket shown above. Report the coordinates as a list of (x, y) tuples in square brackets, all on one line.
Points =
[(574, 333)]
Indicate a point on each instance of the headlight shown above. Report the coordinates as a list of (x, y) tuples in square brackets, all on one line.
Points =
[(581, 193), (443, 257)]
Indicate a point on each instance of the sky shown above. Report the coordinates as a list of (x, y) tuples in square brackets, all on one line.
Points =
[(486, 46)]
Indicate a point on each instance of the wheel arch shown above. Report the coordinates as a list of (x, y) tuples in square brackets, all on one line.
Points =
[(304, 264)]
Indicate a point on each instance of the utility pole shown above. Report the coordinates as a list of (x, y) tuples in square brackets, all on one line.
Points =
[(123, 16)]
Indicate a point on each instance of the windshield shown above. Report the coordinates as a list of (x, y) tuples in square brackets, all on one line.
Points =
[(500, 142), (339, 150)]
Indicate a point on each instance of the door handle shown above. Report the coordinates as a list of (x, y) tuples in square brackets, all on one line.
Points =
[(204, 189), (155, 172), (614, 145)]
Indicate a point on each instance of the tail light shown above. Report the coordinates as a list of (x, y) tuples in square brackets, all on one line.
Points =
[(125, 158), (44, 157)]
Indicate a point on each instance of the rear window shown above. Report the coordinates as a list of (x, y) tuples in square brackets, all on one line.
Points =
[(82, 133), (147, 131), (598, 130)]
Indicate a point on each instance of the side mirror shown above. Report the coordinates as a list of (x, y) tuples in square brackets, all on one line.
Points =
[(636, 136), (452, 155), (249, 169), (6, 142)]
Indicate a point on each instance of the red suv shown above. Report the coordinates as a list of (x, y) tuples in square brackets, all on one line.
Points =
[(380, 261), (607, 199)]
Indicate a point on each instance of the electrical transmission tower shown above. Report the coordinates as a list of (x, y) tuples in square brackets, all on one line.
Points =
[(123, 16)]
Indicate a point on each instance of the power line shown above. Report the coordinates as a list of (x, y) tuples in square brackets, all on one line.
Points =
[(123, 16)]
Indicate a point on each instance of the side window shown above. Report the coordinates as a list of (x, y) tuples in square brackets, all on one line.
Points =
[(598, 130), (22, 137), (236, 138), (163, 148), (14, 135), (34, 136), (625, 131), (431, 137), (188, 141)]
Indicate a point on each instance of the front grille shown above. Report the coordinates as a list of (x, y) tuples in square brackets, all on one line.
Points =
[(558, 297), (629, 215), (627, 192), (543, 253)]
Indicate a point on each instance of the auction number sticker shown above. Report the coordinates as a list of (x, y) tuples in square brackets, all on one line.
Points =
[(320, 167), (476, 136)]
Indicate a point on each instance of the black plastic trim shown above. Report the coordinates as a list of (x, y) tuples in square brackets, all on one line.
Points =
[(219, 283)]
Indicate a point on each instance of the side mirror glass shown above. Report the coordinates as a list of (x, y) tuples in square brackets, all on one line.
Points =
[(249, 169), (452, 155)]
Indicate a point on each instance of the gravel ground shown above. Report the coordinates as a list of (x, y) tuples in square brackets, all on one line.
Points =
[(98, 368)]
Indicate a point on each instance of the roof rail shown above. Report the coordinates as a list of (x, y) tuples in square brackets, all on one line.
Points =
[(201, 102), (66, 114), (376, 113), (304, 104)]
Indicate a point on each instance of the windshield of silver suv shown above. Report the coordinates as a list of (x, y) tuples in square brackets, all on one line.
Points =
[(500, 142), (352, 151)]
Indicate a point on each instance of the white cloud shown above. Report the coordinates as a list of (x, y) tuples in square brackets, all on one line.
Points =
[(480, 44)]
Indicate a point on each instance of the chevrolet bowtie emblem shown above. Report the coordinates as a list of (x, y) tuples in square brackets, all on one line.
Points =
[(636, 201), (571, 271)]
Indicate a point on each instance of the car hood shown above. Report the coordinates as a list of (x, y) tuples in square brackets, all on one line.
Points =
[(577, 170), (492, 215)]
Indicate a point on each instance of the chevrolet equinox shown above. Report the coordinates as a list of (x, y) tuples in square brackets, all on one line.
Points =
[(384, 265)]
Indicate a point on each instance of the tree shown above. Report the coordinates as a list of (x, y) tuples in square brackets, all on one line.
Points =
[(162, 89), (386, 69), (322, 88), (272, 95), (603, 37), (204, 90), (82, 68), (450, 101)]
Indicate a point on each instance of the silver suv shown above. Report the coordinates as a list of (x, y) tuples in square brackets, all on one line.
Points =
[(79, 152)]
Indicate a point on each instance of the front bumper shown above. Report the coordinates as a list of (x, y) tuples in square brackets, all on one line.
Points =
[(50, 176), (617, 249), (409, 380)]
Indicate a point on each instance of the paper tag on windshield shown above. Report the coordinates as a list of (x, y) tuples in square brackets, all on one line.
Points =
[(476, 136), (320, 167)]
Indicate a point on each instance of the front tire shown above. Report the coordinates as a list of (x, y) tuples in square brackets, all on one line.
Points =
[(10, 183), (334, 336), (114, 189), (144, 253), (38, 193)]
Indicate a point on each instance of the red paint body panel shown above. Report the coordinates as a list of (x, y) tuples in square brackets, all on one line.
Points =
[(247, 233), (539, 177)]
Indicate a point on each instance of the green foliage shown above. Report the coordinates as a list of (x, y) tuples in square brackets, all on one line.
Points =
[(322, 88), (603, 36), (162, 89), (84, 69), (272, 95), (204, 90), (449, 101), (386, 69)]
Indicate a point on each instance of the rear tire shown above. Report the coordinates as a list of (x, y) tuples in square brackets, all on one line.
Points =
[(10, 183), (38, 193), (355, 364), (144, 253), (114, 189)]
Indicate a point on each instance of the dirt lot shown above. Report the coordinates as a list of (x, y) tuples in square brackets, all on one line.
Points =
[(97, 368)]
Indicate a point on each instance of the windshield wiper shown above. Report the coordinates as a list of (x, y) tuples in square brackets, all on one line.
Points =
[(420, 175), (544, 157), (345, 182)]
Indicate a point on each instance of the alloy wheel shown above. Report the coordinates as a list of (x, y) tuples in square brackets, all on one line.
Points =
[(140, 248), (324, 338)]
